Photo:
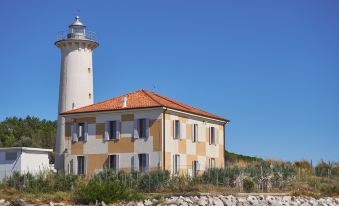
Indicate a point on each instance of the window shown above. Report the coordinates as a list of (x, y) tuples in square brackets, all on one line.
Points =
[(212, 163), (89, 70), (10, 155), (113, 126), (195, 168), (195, 132), (142, 128), (81, 165), (114, 162), (176, 164), (143, 162), (81, 131), (90, 96), (176, 129), (212, 135)]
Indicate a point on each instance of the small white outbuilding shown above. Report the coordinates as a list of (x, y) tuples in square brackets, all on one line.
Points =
[(23, 160)]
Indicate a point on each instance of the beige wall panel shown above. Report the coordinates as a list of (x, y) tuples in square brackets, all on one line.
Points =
[(89, 120), (191, 147), (221, 137), (183, 119), (201, 148), (123, 145), (167, 117), (190, 159), (127, 117), (156, 131), (189, 131), (96, 162), (182, 146), (77, 148), (68, 131), (100, 128), (168, 161)]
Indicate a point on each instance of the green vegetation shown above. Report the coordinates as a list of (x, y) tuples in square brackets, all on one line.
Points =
[(28, 132), (241, 174)]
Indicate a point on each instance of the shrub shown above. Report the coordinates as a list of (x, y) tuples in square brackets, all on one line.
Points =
[(107, 191), (329, 190), (248, 185), (154, 181), (42, 182)]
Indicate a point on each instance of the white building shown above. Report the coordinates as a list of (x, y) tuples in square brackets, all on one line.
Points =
[(23, 160)]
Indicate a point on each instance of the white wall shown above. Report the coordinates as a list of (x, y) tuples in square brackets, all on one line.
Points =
[(27, 161)]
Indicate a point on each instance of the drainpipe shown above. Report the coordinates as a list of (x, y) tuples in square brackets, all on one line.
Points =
[(163, 137)]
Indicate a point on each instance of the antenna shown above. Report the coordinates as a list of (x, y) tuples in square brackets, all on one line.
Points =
[(154, 87)]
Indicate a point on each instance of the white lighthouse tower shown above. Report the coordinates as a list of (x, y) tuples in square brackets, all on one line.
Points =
[(76, 77)]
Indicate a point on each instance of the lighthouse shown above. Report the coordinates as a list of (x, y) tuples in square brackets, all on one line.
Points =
[(76, 77)]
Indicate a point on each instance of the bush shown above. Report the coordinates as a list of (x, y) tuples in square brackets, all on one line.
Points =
[(154, 181), (329, 190), (42, 182), (108, 191), (248, 185)]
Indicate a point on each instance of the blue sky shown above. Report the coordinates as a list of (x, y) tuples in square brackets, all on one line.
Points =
[(271, 67)]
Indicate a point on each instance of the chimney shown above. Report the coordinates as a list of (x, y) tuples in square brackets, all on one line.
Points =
[(124, 102)]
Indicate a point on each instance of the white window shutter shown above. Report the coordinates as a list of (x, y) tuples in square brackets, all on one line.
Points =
[(75, 165), (147, 162), (215, 135), (74, 132), (136, 130), (178, 163), (117, 162), (209, 135), (118, 131), (181, 130), (135, 162), (86, 132), (147, 127), (106, 133), (173, 163), (197, 131)]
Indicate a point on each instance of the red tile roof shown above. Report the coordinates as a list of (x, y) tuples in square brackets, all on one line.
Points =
[(138, 100)]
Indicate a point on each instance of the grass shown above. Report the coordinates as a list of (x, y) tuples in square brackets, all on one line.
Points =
[(110, 187)]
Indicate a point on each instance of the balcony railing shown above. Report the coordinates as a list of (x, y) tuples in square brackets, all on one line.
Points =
[(86, 35)]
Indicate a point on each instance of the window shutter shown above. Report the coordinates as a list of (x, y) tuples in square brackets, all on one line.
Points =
[(118, 131), (106, 133), (174, 164), (197, 131), (86, 132), (178, 163), (74, 132), (75, 165), (147, 127), (135, 162), (147, 162), (117, 162), (136, 130), (215, 135), (209, 135), (181, 130), (174, 137), (193, 129)]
